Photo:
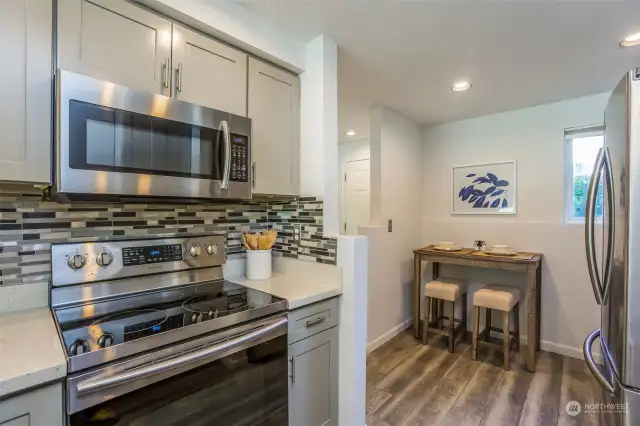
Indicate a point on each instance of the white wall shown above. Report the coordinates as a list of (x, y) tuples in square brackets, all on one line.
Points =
[(352, 258), (350, 151), (396, 148), (354, 151), (319, 129), (534, 137)]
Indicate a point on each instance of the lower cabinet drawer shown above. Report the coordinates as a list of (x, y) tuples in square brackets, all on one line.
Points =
[(313, 319)]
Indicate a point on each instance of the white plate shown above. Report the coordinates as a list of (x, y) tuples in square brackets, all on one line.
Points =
[(502, 253), (446, 248)]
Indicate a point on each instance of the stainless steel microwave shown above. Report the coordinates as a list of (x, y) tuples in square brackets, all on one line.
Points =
[(114, 142)]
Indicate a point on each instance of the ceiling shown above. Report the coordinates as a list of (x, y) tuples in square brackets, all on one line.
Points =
[(406, 54)]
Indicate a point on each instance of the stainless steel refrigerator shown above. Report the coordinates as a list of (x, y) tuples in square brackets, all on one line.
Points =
[(613, 256)]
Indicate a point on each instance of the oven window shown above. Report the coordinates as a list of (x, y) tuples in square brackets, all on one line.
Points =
[(108, 139), (248, 388)]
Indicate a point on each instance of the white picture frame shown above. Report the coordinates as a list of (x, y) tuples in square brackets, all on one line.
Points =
[(485, 188)]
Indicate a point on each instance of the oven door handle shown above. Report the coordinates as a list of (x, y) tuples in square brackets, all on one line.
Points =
[(94, 385), (226, 173)]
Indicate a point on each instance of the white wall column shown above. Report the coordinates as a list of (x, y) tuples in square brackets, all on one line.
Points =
[(396, 149), (319, 129), (352, 258)]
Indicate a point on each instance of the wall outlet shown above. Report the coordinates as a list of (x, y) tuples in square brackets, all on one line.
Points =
[(297, 229)]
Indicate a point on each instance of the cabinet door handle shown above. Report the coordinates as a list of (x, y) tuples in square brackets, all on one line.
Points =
[(316, 321), (179, 77), (293, 369), (165, 73), (253, 175)]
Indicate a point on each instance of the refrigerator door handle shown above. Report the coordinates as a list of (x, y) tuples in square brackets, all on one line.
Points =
[(589, 223), (608, 263), (588, 357)]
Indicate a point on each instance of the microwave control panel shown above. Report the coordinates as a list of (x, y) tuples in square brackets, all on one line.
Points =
[(239, 158)]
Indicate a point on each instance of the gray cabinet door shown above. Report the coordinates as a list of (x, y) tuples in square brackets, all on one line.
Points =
[(313, 384), (274, 108), (208, 73), (25, 84), (42, 407), (116, 41)]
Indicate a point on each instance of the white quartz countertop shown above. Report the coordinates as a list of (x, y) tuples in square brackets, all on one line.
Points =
[(30, 350), (301, 283)]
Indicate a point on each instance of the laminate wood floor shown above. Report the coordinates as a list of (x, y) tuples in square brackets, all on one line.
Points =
[(409, 384)]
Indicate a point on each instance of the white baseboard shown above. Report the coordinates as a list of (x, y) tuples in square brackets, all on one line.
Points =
[(388, 335), (562, 349), (544, 345), (568, 351)]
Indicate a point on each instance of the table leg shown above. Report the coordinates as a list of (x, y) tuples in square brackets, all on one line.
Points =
[(532, 317), (538, 303), (416, 295)]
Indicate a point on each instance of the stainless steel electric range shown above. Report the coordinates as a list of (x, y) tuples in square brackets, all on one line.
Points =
[(155, 336)]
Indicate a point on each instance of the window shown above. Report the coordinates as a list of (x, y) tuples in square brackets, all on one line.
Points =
[(582, 146)]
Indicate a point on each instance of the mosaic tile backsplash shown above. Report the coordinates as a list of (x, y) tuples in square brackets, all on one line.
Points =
[(28, 226)]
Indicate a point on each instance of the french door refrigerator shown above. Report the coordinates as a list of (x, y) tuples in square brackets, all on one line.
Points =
[(613, 257)]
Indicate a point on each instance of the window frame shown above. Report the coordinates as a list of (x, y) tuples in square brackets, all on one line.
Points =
[(569, 135)]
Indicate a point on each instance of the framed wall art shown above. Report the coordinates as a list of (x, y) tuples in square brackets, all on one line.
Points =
[(484, 188)]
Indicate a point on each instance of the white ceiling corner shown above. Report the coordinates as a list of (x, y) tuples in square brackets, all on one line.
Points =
[(406, 54)]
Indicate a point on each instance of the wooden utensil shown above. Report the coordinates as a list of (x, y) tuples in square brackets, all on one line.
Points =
[(263, 242), (244, 241), (272, 235)]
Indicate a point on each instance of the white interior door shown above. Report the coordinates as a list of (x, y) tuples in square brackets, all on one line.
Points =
[(356, 195)]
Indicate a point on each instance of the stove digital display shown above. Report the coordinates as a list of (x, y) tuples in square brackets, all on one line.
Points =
[(134, 256)]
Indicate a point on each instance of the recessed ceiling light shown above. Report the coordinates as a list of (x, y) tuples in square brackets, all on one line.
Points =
[(351, 133), (461, 86), (631, 40)]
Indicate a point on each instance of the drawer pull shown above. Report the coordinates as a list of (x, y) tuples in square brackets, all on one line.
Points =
[(316, 321)]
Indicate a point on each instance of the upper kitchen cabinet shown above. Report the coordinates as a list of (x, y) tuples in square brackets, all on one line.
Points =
[(274, 108), (25, 84), (208, 73), (116, 41)]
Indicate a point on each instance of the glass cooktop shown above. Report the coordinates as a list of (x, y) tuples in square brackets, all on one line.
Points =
[(199, 308)]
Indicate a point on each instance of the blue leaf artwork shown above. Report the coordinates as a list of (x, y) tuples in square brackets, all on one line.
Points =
[(485, 192)]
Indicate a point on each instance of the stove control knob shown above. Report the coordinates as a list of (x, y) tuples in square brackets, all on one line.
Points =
[(194, 251), (79, 347), (77, 261), (104, 259), (106, 340), (212, 249), (196, 318)]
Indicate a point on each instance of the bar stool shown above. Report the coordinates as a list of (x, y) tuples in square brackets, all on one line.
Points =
[(506, 300), (436, 292)]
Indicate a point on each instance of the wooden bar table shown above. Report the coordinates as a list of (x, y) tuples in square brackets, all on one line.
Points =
[(527, 263)]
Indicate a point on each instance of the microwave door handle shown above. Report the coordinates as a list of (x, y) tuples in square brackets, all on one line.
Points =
[(611, 206), (226, 174), (589, 224), (95, 385)]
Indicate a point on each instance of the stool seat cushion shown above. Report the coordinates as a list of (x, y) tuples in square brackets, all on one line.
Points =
[(445, 288), (496, 297)]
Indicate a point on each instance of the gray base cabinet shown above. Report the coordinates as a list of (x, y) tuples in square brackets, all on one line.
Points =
[(313, 368), (42, 407)]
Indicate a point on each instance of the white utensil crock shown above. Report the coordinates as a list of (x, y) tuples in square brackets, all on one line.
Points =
[(258, 264)]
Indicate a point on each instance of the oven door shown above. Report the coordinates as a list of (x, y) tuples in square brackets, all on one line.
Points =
[(116, 141), (238, 377)]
